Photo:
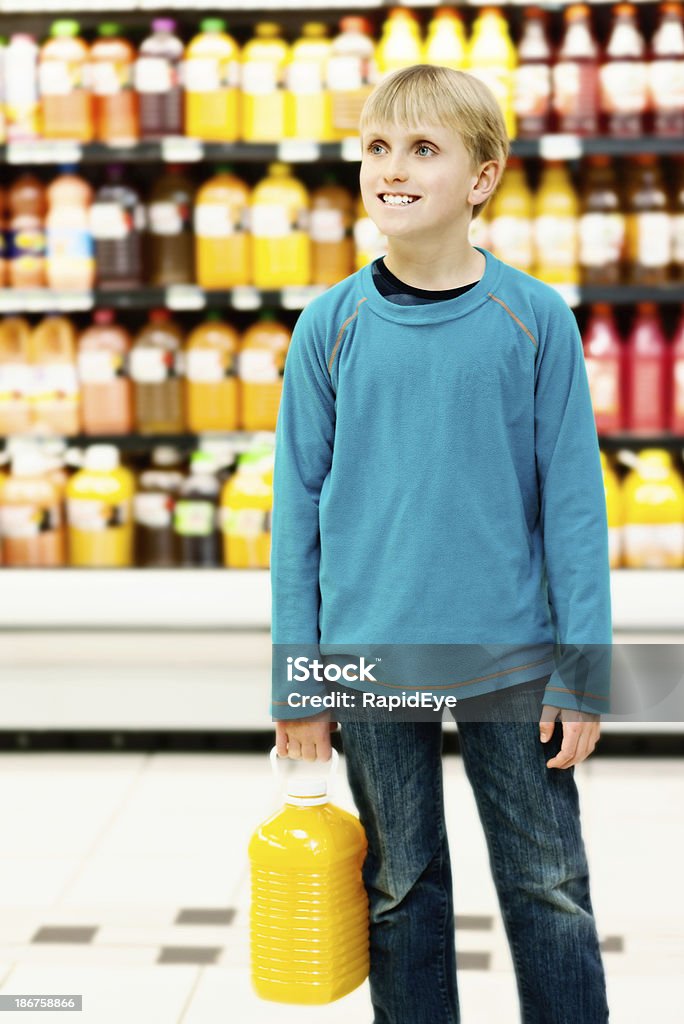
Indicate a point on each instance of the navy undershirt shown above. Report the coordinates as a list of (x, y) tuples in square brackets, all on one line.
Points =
[(405, 294)]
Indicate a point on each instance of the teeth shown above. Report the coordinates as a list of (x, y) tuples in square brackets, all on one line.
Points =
[(397, 200)]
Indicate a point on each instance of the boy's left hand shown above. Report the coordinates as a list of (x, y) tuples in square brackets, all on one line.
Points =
[(581, 732)]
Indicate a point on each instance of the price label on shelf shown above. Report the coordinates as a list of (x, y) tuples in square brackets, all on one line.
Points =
[(350, 148), (570, 292), (298, 151), (181, 150), (297, 297), (30, 300), (44, 151), (72, 302), (185, 296), (245, 297), (560, 147)]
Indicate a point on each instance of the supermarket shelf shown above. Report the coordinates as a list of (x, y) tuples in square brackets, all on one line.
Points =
[(235, 440), (613, 442)]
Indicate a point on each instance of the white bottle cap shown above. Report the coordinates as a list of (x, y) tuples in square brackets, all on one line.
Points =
[(306, 792), (28, 462), (102, 457)]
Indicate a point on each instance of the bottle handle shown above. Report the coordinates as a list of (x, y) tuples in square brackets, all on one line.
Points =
[(334, 760)]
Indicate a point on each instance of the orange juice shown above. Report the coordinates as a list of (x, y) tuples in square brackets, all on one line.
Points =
[(15, 375), (31, 520), (446, 41), (261, 363), (492, 58), (211, 78), (55, 397), (66, 99), (246, 502), (332, 244), (400, 43), (308, 107), (614, 512), (211, 392), (99, 511), (352, 73), (369, 242), (556, 226), (222, 240), (264, 60), (70, 260), (653, 496), (114, 98), (279, 219), (510, 218)]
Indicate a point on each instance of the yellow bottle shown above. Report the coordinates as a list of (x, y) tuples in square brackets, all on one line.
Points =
[(279, 221), (653, 496), (264, 60), (492, 58), (222, 240), (614, 512), (15, 375), (351, 74), (246, 502), (211, 79), (211, 390), (99, 511), (261, 364), (556, 231), (308, 103), (510, 221), (309, 907), (369, 242), (445, 43), (400, 43)]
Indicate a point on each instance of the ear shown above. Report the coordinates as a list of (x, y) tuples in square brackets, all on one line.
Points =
[(484, 185)]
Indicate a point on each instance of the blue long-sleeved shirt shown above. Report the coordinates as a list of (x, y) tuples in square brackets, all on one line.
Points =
[(437, 481)]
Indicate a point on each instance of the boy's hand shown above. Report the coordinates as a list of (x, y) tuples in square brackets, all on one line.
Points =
[(306, 739), (581, 733)]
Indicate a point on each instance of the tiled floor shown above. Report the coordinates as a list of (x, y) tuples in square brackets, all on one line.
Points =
[(124, 878)]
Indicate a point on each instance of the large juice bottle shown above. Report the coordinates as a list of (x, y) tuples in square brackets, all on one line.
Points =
[(153, 509), (22, 101), (369, 242), (576, 75), (331, 232), (511, 218), (492, 59), (279, 220), (117, 221), (16, 376), (649, 223), (677, 379), (70, 262), (352, 73), (195, 517), (170, 256), (604, 360), (261, 363), (246, 502), (31, 519), (653, 499), (27, 204), (264, 59), (623, 75), (115, 100), (211, 390), (602, 224), (666, 71), (157, 373), (158, 81), (55, 399), (211, 80), (99, 511), (556, 211), (445, 42), (400, 43), (308, 106), (106, 390), (532, 77), (646, 373), (222, 239), (614, 512), (66, 98)]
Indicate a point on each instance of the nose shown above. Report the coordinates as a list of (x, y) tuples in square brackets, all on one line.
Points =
[(394, 169)]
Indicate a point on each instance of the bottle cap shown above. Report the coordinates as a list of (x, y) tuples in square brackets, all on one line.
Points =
[(102, 458), (213, 25), (202, 462), (314, 29), (356, 23), (165, 455), (267, 29), (103, 317), (109, 29), (64, 28), (163, 25), (28, 462)]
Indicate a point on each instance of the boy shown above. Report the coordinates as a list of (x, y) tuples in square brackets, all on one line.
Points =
[(437, 482)]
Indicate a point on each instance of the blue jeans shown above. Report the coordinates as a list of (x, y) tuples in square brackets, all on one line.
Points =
[(531, 819)]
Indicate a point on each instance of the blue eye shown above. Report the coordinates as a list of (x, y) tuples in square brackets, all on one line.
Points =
[(425, 147)]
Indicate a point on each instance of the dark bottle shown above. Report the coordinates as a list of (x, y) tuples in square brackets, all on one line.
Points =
[(170, 240), (678, 223), (532, 77), (576, 75), (117, 222), (649, 243), (158, 81), (153, 510), (156, 368), (196, 519), (602, 227)]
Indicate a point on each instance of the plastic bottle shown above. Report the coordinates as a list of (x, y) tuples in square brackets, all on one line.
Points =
[(117, 222), (222, 239), (195, 518), (153, 509), (156, 368), (602, 224), (677, 222), (352, 73), (99, 511), (604, 361), (646, 373), (22, 102), (400, 43), (532, 77), (31, 521), (614, 512), (576, 75), (261, 363), (653, 498), (492, 59), (246, 502), (279, 220), (649, 243), (106, 389), (170, 241), (623, 76), (330, 231), (70, 263), (264, 59), (27, 204), (677, 379), (66, 99), (158, 81), (511, 218), (309, 907), (666, 71), (445, 42), (211, 390), (556, 226), (369, 242), (211, 79), (115, 101), (4, 257), (308, 107), (55, 398), (16, 377), (3, 115)]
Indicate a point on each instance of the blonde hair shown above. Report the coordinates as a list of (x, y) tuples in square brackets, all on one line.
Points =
[(432, 94)]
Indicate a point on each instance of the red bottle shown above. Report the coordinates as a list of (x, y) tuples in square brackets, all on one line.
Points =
[(624, 76), (604, 357), (646, 373), (666, 71), (677, 379), (576, 75), (532, 77)]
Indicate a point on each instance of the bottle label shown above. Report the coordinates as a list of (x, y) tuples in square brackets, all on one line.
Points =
[(165, 218), (26, 243), (344, 74), (556, 240), (153, 510), (260, 77), (654, 242), (245, 522), (96, 515), (327, 226), (201, 74), (60, 77), (499, 81), (666, 83), (151, 365), (678, 238), (109, 221), (194, 518), (20, 521), (213, 220), (512, 238), (624, 87), (16, 381), (574, 89), (111, 77), (153, 74), (532, 90), (100, 367), (69, 243), (55, 382), (654, 546), (602, 239), (257, 366), (270, 220), (604, 384), (303, 77), (208, 366)]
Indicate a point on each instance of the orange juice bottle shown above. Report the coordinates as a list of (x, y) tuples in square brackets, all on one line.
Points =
[(99, 511), (157, 373), (261, 363), (222, 240), (511, 218), (114, 97), (22, 101), (492, 58), (211, 79), (446, 40), (246, 502), (351, 73), (400, 43), (369, 242), (556, 226), (70, 251), (66, 99), (31, 521), (15, 376), (264, 60), (653, 496), (613, 511), (55, 398), (332, 243), (211, 392), (279, 220), (106, 389), (308, 107), (27, 203)]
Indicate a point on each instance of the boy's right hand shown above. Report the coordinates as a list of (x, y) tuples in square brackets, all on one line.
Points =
[(305, 739)]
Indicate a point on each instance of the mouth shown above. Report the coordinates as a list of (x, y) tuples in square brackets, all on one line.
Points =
[(397, 201)]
